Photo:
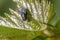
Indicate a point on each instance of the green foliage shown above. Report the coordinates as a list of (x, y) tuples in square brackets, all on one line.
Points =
[(39, 15), (16, 34), (57, 29), (40, 38)]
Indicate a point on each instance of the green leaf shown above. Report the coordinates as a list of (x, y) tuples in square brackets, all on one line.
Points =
[(57, 29), (40, 38), (16, 34)]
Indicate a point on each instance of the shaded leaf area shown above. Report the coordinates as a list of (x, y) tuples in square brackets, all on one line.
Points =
[(16, 34), (39, 38), (5, 5), (57, 29), (51, 1)]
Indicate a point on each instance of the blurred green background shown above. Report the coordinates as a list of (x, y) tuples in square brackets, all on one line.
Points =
[(57, 10), (5, 5)]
